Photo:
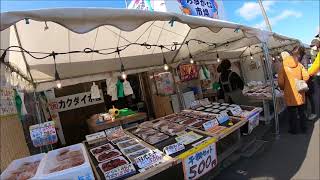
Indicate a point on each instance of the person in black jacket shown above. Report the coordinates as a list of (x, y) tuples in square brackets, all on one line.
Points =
[(231, 83)]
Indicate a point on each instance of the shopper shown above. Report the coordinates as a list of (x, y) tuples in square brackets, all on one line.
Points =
[(231, 84), (314, 72), (291, 71)]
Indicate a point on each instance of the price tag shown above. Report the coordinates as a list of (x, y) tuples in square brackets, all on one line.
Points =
[(112, 130), (188, 138), (222, 117), (236, 111), (200, 162), (173, 148), (210, 124), (95, 136), (195, 104), (148, 159), (120, 171)]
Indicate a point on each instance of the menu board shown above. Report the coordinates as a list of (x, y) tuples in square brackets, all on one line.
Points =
[(7, 102)]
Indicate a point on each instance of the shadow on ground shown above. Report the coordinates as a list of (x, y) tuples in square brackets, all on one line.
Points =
[(280, 159)]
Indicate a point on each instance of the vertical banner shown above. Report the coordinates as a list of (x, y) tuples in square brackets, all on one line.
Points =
[(199, 160), (205, 8)]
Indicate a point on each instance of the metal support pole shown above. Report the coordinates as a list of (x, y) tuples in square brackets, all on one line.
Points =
[(268, 63), (265, 15)]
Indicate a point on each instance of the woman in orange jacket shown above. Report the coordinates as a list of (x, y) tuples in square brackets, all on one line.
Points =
[(289, 72)]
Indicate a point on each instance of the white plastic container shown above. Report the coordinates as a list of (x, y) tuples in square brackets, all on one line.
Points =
[(14, 165), (81, 172)]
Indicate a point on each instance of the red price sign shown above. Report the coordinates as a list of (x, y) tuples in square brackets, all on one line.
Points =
[(200, 162)]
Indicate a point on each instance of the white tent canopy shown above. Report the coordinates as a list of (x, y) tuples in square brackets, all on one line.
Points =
[(77, 29)]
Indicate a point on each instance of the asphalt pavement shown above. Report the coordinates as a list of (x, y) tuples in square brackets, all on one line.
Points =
[(289, 157)]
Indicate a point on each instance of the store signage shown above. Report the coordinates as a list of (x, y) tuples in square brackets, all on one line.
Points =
[(222, 117), (95, 136), (188, 72), (43, 134), (236, 111), (205, 8), (74, 101), (173, 148), (210, 124), (188, 138), (141, 5), (148, 159), (120, 171), (199, 160), (7, 102)]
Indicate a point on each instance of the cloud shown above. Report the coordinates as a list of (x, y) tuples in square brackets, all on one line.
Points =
[(282, 16), (250, 10)]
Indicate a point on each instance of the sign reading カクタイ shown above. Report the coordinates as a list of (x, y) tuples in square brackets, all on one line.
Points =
[(74, 101)]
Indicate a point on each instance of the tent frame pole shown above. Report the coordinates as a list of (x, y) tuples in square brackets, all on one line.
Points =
[(271, 79)]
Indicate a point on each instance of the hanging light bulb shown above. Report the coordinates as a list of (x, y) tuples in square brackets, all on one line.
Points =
[(251, 57), (56, 74), (123, 73), (273, 59), (218, 59), (165, 64), (191, 59)]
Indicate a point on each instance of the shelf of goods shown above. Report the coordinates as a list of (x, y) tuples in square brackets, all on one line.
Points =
[(172, 138)]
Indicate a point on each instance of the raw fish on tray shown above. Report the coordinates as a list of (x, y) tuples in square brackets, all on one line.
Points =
[(133, 149), (126, 138), (146, 124), (25, 171), (201, 108), (160, 124), (107, 155), (189, 121), (113, 163), (147, 133), (156, 138), (197, 125), (126, 144), (116, 135), (208, 110), (67, 159), (102, 148), (172, 129)]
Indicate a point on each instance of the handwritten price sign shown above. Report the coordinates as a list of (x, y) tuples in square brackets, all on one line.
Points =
[(173, 148), (201, 161), (148, 159), (236, 111)]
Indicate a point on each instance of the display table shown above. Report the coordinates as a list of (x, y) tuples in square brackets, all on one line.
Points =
[(94, 127)]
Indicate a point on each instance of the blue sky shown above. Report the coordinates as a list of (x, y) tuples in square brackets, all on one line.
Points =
[(294, 18)]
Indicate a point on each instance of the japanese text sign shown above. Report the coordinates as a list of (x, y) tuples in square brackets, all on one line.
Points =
[(7, 102), (222, 117), (205, 8), (173, 148), (74, 101), (236, 111), (120, 171), (148, 159), (201, 161), (141, 5), (210, 124), (43, 134)]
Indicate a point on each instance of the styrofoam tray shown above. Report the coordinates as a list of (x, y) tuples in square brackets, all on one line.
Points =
[(14, 165)]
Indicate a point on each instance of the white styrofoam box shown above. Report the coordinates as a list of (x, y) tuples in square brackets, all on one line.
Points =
[(18, 162), (253, 122), (81, 172)]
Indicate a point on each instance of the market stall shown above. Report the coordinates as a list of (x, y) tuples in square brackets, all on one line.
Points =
[(138, 41)]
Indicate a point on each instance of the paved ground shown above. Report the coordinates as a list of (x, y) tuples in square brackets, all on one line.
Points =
[(290, 157)]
